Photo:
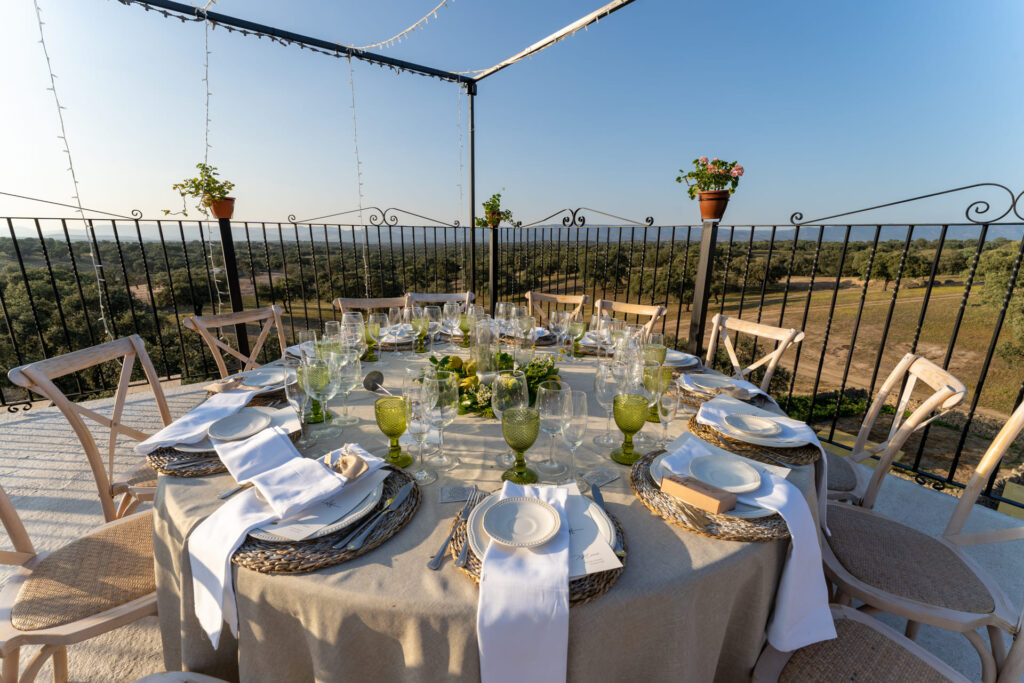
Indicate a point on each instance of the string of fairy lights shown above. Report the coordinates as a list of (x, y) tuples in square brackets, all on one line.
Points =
[(359, 174), (398, 37)]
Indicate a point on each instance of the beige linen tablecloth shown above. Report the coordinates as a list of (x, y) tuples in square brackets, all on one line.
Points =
[(686, 608)]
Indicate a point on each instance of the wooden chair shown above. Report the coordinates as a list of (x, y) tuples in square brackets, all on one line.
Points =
[(865, 650), (607, 306), (846, 480), (38, 377), (351, 304), (92, 585), (722, 324), (534, 301), (463, 299), (203, 324), (893, 568)]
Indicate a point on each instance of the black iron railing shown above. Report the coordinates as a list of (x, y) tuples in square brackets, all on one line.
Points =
[(865, 295)]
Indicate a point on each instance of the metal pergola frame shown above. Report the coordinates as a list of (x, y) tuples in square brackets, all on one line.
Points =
[(469, 82)]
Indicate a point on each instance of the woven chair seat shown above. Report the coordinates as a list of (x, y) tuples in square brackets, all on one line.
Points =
[(95, 573), (859, 653), (841, 476), (902, 561), (144, 476)]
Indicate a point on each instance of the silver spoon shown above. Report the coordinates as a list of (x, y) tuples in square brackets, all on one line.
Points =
[(374, 381)]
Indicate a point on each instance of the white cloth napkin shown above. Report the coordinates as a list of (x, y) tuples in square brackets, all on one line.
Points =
[(288, 484), (398, 333), (192, 426), (801, 615), (742, 389), (522, 618)]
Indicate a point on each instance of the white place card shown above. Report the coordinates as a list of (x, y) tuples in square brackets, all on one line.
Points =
[(589, 553)]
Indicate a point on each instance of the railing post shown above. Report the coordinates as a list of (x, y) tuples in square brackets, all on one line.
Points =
[(492, 280), (227, 244), (702, 288)]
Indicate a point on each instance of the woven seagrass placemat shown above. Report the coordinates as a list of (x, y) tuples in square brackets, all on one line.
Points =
[(298, 557), (723, 527), (801, 455), (206, 463), (581, 590)]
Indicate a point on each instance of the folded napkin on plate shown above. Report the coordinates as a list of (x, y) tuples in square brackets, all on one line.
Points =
[(396, 334), (713, 413), (741, 388), (673, 357), (192, 426), (288, 484), (522, 618), (801, 615)]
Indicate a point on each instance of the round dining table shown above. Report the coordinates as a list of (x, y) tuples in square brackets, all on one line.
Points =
[(686, 607)]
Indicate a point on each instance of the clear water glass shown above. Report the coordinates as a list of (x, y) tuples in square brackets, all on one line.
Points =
[(552, 397), (445, 387), (607, 383), (350, 377), (668, 407), (307, 343), (418, 403), (574, 427), (296, 396), (450, 318)]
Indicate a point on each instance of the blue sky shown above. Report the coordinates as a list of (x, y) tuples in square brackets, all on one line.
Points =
[(829, 106)]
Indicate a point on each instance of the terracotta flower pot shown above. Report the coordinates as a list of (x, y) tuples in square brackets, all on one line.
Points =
[(223, 208), (712, 204)]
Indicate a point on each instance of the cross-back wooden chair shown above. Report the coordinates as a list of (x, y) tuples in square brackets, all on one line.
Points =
[(535, 303), (463, 299), (893, 568), (38, 377), (609, 307), (343, 304), (849, 482), (203, 324), (90, 586), (721, 325), (864, 650)]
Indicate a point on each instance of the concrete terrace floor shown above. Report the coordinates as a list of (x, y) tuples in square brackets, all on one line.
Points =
[(45, 474)]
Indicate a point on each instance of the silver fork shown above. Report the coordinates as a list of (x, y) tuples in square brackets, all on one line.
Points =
[(463, 557), (438, 558)]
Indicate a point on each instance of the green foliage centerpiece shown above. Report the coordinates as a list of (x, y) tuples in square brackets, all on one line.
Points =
[(475, 397)]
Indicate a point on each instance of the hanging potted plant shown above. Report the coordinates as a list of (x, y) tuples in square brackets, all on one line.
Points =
[(712, 182), (493, 214), (211, 193)]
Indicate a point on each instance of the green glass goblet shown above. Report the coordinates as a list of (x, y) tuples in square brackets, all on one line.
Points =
[(391, 414), (421, 325), (520, 427), (371, 334), (655, 352), (630, 411), (465, 326), (577, 328)]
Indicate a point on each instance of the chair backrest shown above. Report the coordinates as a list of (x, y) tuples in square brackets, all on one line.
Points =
[(982, 472), (534, 301), (352, 304), (463, 299), (947, 393), (39, 376), (203, 324), (23, 548), (656, 313), (720, 328)]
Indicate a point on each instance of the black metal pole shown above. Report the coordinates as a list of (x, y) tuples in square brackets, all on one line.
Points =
[(702, 287), (492, 279), (227, 244), (471, 91)]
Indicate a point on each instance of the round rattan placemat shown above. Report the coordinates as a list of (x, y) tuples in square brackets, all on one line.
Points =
[(722, 527), (801, 455), (209, 464), (581, 590), (299, 557)]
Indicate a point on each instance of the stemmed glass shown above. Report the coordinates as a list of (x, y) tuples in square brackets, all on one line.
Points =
[(307, 343), (392, 414), (298, 399), (577, 328), (650, 387), (450, 316), (372, 336), (558, 321), (524, 326), (421, 329), (552, 397), (630, 412), (505, 311), (434, 320), (574, 421), (395, 327), (668, 406), (607, 383), (350, 377), (508, 390), (654, 348), (520, 427), (352, 317), (320, 377), (409, 315), (445, 386), (332, 329), (467, 323), (418, 404)]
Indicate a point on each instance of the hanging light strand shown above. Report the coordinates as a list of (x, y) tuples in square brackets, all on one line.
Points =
[(359, 175), (397, 38), (96, 268)]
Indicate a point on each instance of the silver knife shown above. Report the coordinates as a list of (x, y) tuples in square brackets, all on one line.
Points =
[(595, 491), (357, 542)]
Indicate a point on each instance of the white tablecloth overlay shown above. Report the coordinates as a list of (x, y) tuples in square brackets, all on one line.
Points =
[(801, 615), (522, 619), (191, 427), (288, 484)]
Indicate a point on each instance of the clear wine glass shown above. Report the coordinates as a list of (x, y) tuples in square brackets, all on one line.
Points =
[(508, 390), (606, 385), (668, 407), (574, 428), (296, 396), (445, 386), (395, 327), (352, 317), (319, 378), (376, 328), (552, 396), (419, 403), (450, 318), (350, 377), (307, 343), (576, 329), (558, 321)]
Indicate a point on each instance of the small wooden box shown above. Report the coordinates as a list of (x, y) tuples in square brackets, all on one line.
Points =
[(697, 493)]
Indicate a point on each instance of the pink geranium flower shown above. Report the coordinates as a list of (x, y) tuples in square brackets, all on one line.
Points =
[(737, 171), (703, 160)]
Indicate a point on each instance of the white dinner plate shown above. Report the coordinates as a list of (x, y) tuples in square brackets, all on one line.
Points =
[(710, 383), (752, 425), (575, 508), (361, 509), (238, 426), (283, 417), (521, 522), (741, 511), (263, 377), (678, 359), (727, 473), (786, 438)]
